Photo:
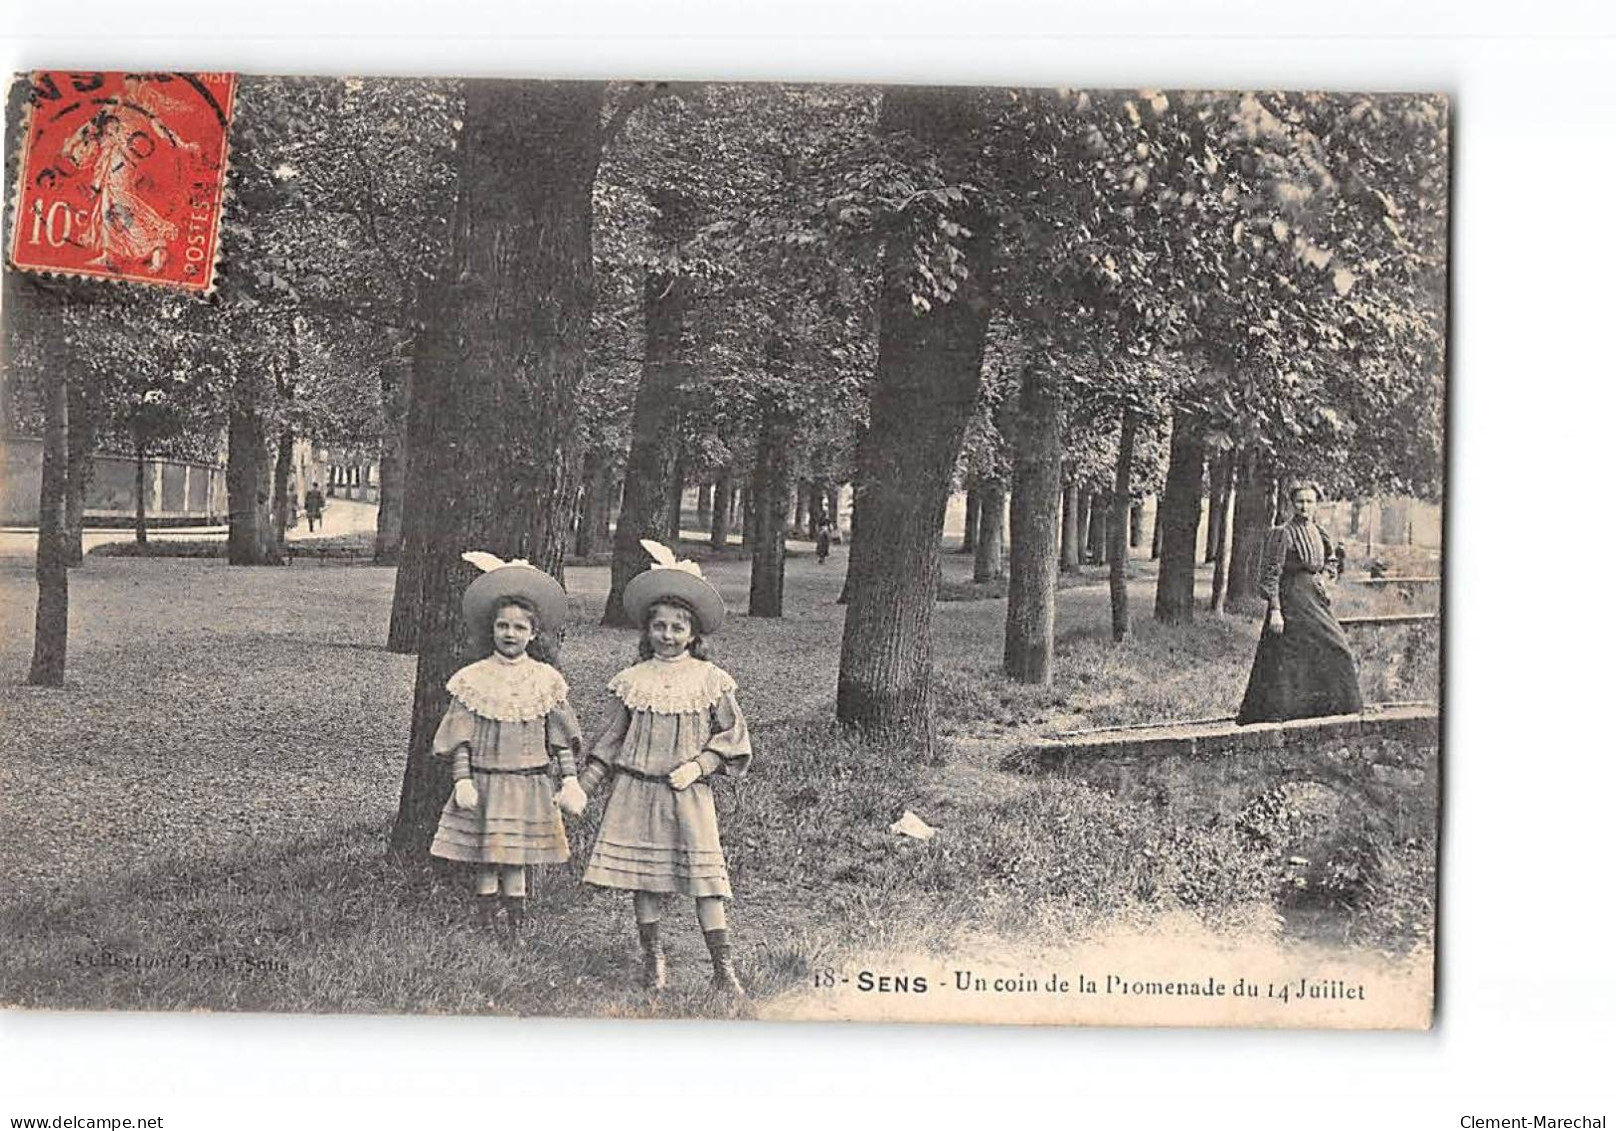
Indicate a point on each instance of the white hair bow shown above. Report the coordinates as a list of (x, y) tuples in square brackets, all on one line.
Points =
[(664, 558), (489, 562)]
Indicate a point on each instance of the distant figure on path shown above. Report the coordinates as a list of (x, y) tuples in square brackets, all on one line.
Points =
[(1303, 668), (314, 507), (822, 540)]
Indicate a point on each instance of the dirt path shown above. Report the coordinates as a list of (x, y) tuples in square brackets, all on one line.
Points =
[(341, 517)]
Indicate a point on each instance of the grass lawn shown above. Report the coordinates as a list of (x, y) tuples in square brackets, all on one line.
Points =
[(198, 820)]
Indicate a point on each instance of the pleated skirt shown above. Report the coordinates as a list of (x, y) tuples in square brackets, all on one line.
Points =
[(515, 822), (655, 838)]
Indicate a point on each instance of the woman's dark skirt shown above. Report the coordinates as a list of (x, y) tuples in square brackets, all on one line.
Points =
[(1307, 671)]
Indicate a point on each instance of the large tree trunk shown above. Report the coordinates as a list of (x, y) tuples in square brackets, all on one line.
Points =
[(1099, 528), (989, 563), (1085, 522), (594, 512), (771, 500), (516, 305), (1181, 518), (1218, 534), (283, 476), (704, 507), (928, 370), (1217, 470), (420, 428), (801, 511), (392, 474), (1071, 542), (855, 553), (248, 481), (676, 498), (973, 518), (81, 429), (1121, 528), (723, 502), (395, 462), (1253, 507), (404, 617), (1035, 529), (49, 666), (650, 483)]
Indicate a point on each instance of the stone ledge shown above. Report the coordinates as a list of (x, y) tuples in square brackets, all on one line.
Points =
[(1418, 724), (1389, 620), (348, 555)]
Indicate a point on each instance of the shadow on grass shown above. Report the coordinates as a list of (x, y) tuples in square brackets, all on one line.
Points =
[(336, 925), (331, 924), (1091, 577)]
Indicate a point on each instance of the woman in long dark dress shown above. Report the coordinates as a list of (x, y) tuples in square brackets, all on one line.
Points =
[(1303, 668)]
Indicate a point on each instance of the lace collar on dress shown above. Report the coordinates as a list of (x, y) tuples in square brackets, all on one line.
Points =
[(508, 690), (671, 687)]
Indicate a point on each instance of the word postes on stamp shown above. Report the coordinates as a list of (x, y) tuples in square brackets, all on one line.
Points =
[(122, 175)]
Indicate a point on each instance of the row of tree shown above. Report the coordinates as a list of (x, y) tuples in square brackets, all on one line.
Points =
[(549, 295)]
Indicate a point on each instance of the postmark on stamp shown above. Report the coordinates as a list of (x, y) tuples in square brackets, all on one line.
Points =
[(122, 175)]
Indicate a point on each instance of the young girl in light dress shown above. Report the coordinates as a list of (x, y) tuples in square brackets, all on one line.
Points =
[(509, 730), (676, 724)]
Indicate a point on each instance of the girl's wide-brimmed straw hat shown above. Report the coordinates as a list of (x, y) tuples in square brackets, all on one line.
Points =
[(669, 577), (503, 580)]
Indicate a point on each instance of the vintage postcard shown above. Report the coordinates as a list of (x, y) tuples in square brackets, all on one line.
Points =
[(722, 550)]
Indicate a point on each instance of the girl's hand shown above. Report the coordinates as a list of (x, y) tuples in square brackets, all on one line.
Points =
[(683, 776), (1276, 623), (465, 794), (572, 800)]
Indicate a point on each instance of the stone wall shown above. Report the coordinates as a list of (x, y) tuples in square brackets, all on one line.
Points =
[(1386, 764), (178, 492)]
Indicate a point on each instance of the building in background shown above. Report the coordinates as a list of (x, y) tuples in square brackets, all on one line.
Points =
[(349, 473), (178, 492)]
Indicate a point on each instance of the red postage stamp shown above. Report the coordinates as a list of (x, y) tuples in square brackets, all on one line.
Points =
[(122, 175)]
